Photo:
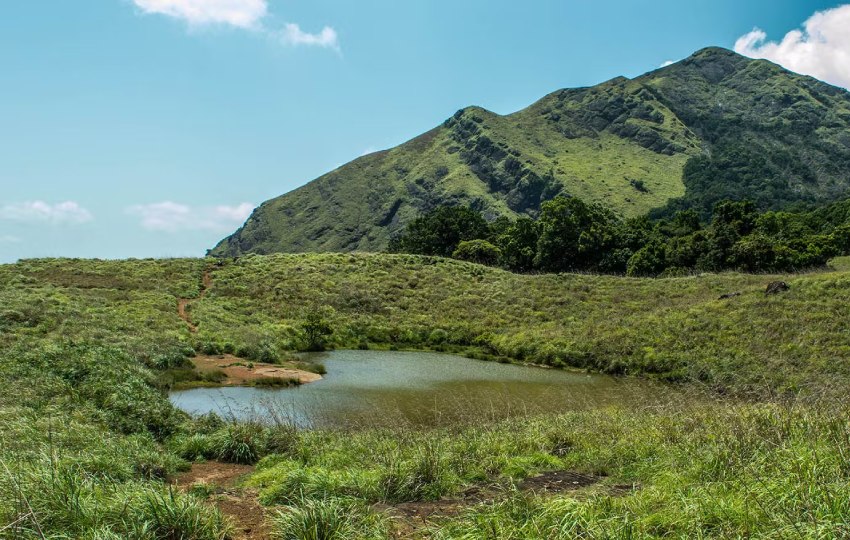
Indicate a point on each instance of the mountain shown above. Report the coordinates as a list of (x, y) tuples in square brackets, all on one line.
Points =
[(715, 125)]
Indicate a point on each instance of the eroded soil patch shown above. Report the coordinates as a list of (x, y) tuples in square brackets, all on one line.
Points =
[(239, 504), (240, 372), (558, 482)]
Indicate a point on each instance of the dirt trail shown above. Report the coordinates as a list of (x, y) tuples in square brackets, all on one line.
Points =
[(183, 303), (410, 520), (237, 503)]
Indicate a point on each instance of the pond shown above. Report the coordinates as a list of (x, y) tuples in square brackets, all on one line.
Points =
[(387, 388)]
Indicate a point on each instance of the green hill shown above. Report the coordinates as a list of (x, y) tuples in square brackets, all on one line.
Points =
[(716, 125)]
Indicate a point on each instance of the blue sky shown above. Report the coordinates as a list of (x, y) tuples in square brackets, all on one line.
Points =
[(149, 128)]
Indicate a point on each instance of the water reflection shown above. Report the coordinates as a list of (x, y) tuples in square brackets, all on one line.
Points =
[(382, 388)]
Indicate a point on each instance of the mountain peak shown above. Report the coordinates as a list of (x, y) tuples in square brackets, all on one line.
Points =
[(635, 146), (714, 52), (712, 63)]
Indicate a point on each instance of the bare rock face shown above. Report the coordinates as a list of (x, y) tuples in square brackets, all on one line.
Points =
[(777, 287)]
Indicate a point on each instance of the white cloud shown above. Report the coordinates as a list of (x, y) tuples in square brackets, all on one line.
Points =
[(821, 49), (327, 38), (40, 211), (239, 13), (169, 216), (245, 14), (9, 239), (667, 63)]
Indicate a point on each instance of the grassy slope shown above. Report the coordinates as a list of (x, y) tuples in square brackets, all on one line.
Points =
[(359, 206), (673, 327), (594, 143), (75, 428)]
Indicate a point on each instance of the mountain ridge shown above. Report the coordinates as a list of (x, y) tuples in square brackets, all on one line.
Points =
[(714, 125)]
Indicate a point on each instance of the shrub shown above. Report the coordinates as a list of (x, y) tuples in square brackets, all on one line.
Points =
[(168, 515), (438, 337), (196, 446), (239, 443), (478, 251), (276, 381)]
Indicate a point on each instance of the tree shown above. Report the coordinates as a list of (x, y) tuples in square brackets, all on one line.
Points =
[(574, 235), (317, 329), (441, 231), (754, 253), (650, 260), (518, 243), (732, 220)]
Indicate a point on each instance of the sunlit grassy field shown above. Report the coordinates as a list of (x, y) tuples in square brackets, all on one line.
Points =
[(754, 441)]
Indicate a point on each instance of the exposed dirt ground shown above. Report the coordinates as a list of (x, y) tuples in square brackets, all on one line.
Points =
[(239, 504), (558, 482), (411, 519), (183, 303), (238, 372)]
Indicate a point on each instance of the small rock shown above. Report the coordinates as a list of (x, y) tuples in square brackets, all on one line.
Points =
[(777, 287), (729, 295)]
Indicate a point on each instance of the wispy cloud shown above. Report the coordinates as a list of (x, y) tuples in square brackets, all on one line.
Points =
[(327, 38), (9, 239), (244, 14), (667, 63), (68, 212), (239, 13), (172, 217), (821, 49)]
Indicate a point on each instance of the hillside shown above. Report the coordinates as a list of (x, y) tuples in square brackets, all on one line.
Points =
[(675, 328), (716, 125)]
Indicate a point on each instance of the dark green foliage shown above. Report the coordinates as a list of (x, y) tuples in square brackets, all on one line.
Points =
[(571, 235), (317, 329), (518, 243), (189, 378), (239, 443), (440, 232), (649, 260)]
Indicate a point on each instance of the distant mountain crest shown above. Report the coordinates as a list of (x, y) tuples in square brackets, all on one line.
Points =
[(715, 125)]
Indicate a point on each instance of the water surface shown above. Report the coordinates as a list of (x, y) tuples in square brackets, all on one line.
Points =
[(419, 389)]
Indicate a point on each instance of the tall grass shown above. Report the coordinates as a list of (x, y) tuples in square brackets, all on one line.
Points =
[(57, 501), (708, 470), (328, 519)]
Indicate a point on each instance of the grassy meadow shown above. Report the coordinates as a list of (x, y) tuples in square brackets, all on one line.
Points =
[(754, 444)]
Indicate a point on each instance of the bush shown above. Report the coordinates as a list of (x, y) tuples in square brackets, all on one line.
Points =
[(276, 381), (478, 251), (168, 515), (239, 443)]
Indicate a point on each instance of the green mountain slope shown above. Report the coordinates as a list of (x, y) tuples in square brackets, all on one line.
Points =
[(716, 125)]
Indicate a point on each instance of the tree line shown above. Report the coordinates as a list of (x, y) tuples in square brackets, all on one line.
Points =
[(571, 235)]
